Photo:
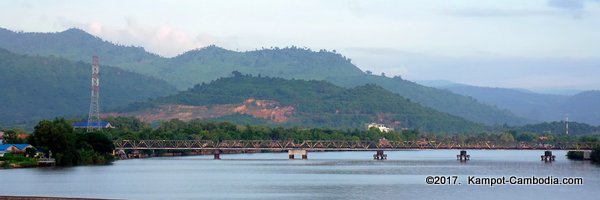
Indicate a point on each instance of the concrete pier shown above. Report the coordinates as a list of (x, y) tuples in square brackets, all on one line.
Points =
[(217, 154), (548, 157), (302, 152), (463, 156), (380, 155)]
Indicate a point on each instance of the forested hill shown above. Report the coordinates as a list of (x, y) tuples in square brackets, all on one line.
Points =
[(302, 103), (575, 128), (211, 63), (442, 100), (35, 87), (185, 70), (76, 45)]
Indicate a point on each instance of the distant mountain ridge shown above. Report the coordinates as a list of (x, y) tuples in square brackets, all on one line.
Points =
[(37, 87), (76, 45), (211, 63), (582, 107)]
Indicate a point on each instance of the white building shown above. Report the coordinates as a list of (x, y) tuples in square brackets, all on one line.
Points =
[(381, 127)]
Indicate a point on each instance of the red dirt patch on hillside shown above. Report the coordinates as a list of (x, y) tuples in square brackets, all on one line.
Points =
[(265, 109)]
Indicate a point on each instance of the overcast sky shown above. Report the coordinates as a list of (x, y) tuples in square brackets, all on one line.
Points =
[(534, 44)]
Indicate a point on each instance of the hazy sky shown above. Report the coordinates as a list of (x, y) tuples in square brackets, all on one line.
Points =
[(535, 44)]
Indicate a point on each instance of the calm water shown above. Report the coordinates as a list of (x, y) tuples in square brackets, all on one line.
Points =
[(326, 175)]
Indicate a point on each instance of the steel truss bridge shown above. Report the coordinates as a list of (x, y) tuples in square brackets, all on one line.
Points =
[(332, 145)]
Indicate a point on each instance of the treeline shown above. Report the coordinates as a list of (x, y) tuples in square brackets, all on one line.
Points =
[(575, 128), (71, 147), (132, 129)]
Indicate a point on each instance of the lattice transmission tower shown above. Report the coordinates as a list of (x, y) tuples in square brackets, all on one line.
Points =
[(94, 115)]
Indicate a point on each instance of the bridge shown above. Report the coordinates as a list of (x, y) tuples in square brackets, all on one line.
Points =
[(217, 147)]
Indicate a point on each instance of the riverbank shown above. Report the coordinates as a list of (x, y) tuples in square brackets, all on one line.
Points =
[(9, 161)]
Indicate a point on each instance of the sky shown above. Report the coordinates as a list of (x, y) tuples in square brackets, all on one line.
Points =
[(542, 45)]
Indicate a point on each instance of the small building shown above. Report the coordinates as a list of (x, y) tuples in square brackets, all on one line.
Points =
[(102, 124), (1, 137), (380, 127)]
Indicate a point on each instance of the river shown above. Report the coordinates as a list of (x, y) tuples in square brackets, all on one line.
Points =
[(325, 175)]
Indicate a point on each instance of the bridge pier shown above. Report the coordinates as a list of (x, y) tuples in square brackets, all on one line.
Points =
[(217, 154), (302, 152), (548, 157), (380, 155), (463, 156)]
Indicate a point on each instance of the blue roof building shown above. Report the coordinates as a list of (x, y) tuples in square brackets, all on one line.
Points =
[(6, 147), (102, 124), (23, 146)]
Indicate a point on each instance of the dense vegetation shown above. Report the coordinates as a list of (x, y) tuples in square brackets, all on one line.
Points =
[(441, 100), (133, 129), (575, 128), (11, 160), (34, 87), (596, 155), (218, 131), (70, 147), (319, 103), (210, 63)]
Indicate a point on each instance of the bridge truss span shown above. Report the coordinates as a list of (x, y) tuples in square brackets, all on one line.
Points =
[(336, 145)]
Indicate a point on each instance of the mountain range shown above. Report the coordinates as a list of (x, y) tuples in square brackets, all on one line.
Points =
[(210, 63), (581, 107)]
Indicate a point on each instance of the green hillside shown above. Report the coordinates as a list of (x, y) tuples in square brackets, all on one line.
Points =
[(442, 100), (185, 70), (77, 45), (211, 63), (35, 87), (319, 103), (559, 128)]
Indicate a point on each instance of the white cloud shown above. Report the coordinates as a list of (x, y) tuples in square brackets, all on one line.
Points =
[(165, 40)]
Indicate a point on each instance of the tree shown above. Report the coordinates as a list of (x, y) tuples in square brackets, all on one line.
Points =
[(236, 73), (369, 72), (30, 152), (507, 137), (56, 136), (12, 136), (596, 154), (99, 142)]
